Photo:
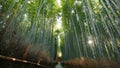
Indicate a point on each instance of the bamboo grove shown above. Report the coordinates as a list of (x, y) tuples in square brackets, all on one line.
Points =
[(89, 28)]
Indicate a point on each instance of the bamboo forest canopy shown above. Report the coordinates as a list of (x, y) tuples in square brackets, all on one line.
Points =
[(62, 28)]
